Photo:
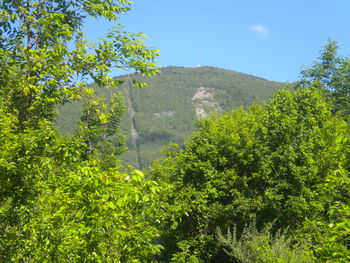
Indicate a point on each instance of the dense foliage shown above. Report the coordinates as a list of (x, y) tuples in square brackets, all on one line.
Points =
[(331, 74), (278, 162), (60, 199)]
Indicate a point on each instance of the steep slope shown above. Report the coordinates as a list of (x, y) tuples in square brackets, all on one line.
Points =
[(167, 110)]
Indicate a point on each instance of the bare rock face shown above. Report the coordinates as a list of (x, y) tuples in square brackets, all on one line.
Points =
[(202, 93), (204, 102), (164, 114)]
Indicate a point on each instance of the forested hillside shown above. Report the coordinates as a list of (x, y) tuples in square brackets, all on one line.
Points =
[(168, 108)]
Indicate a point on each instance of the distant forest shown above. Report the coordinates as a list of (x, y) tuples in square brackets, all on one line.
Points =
[(166, 111)]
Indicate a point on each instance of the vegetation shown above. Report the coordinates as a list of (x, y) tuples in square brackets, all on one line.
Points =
[(165, 111), (60, 200), (274, 162), (68, 198), (330, 74), (261, 246)]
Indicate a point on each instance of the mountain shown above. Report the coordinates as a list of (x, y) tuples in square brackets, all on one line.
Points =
[(167, 109)]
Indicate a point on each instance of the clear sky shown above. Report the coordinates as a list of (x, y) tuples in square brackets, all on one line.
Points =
[(272, 39)]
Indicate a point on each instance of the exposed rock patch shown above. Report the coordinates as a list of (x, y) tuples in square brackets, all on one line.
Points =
[(204, 104), (164, 113), (200, 113), (202, 93)]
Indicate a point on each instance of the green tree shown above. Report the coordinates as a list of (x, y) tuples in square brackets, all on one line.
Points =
[(267, 161), (331, 234), (330, 73), (46, 58), (99, 128), (58, 202)]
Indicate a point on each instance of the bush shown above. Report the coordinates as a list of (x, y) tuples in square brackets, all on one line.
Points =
[(261, 246)]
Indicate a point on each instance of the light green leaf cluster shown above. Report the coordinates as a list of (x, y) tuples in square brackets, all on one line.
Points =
[(99, 129), (40, 66), (57, 207), (60, 200)]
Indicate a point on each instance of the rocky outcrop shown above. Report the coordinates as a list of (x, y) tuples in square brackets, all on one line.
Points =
[(204, 102)]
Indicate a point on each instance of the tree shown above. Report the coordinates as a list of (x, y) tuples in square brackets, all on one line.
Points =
[(58, 202), (74, 211), (267, 161), (39, 66), (330, 73), (99, 128)]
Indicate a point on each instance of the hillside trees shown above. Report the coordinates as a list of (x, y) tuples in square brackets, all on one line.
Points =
[(58, 201), (271, 162)]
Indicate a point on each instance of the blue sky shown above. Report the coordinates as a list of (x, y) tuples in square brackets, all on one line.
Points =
[(272, 39)]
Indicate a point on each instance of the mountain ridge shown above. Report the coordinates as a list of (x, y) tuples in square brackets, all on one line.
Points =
[(212, 68)]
